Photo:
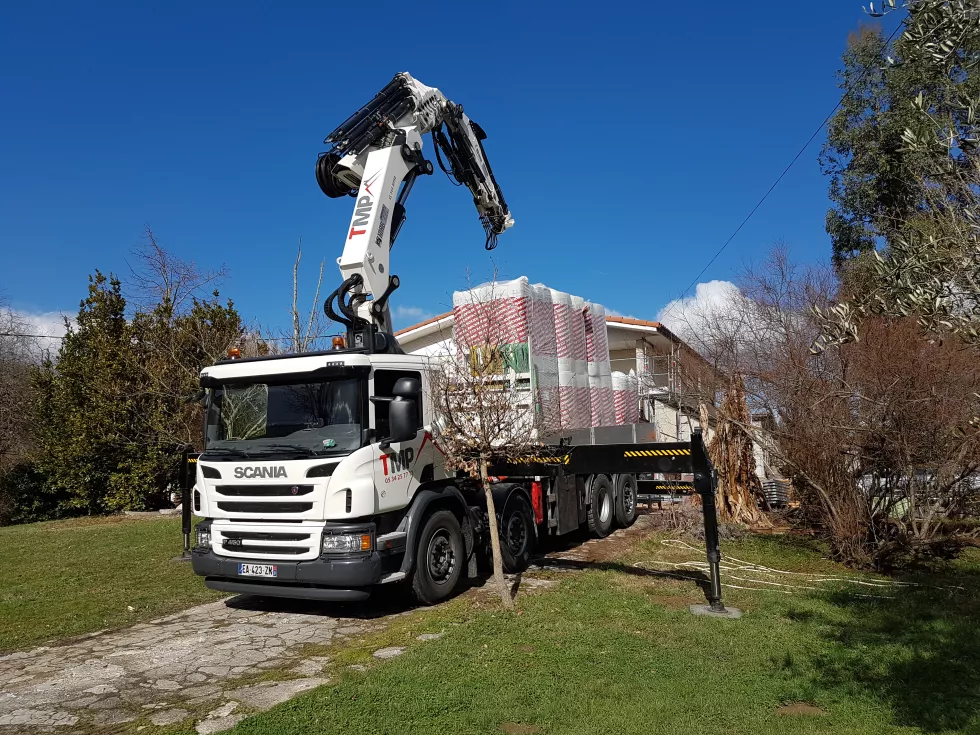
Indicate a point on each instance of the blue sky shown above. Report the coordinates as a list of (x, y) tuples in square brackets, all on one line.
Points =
[(629, 140)]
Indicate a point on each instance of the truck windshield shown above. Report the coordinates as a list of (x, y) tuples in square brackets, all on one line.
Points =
[(260, 419)]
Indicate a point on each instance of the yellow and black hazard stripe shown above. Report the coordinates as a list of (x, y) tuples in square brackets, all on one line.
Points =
[(543, 460), (657, 453), (674, 486)]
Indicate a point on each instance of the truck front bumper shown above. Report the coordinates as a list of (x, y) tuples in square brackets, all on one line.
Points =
[(341, 579)]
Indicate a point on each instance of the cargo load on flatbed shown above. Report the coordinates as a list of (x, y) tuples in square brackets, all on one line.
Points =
[(559, 342)]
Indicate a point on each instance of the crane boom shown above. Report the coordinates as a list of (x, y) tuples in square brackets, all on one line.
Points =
[(375, 157)]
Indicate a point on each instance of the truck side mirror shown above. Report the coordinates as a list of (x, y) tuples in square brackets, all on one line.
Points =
[(403, 417)]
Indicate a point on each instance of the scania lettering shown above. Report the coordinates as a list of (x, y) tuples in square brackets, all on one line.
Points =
[(253, 472)]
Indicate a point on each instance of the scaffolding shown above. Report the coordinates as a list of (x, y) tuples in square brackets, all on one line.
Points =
[(670, 391)]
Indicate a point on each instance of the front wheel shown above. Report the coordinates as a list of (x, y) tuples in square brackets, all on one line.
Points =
[(438, 558)]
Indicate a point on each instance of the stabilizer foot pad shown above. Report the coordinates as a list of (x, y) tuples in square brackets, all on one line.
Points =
[(733, 613)]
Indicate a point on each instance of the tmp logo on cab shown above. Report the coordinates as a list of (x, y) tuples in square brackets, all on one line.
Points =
[(398, 461)]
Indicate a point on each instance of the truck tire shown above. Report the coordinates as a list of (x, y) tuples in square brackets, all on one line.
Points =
[(625, 500), (516, 535), (600, 511), (439, 558)]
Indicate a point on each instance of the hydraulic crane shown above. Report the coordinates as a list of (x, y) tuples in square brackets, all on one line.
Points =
[(375, 157)]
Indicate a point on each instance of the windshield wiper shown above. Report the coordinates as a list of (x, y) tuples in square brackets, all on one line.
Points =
[(226, 450), (291, 447)]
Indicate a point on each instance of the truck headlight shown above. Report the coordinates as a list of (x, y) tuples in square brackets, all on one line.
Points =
[(204, 538), (346, 543)]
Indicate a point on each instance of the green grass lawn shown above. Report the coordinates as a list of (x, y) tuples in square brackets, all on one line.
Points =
[(614, 650), (66, 578)]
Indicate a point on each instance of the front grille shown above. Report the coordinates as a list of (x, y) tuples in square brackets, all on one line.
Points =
[(265, 549), (263, 491), (239, 507), (264, 536), (263, 520)]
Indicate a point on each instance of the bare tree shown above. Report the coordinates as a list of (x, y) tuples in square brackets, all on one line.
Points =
[(160, 279), (485, 412), (18, 353), (305, 338), (876, 434)]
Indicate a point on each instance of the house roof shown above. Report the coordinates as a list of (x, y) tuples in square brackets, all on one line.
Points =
[(635, 322), (431, 320)]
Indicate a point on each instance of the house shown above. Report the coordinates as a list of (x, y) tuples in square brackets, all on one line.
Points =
[(673, 380)]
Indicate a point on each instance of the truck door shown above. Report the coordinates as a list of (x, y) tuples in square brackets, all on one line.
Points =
[(400, 467)]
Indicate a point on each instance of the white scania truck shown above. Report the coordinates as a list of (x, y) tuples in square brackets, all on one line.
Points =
[(320, 477)]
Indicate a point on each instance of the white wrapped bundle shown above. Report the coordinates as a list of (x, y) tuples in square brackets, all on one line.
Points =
[(624, 397), (544, 358), (602, 410), (493, 313), (580, 351), (573, 378)]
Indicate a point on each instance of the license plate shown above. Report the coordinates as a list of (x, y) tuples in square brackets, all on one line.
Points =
[(258, 570)]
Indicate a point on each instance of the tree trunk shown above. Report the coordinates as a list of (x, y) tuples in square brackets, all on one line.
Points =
[(498, 563), (731, 452)]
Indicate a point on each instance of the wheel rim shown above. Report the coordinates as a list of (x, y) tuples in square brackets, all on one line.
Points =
[(516, 534), (441, 557), (629, 498), (605, 506)]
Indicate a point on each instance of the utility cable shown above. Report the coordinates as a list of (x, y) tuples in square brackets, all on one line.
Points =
[(778, 179)]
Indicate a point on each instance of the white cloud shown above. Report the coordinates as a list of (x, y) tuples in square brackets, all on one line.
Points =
[(613, 312), (406, 316), (48, 326), (712, 302)]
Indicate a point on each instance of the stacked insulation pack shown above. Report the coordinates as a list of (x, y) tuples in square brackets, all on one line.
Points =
[(544, 352), (496, 313), (601, 404), (559, 339), (573, 369), (624, 388)]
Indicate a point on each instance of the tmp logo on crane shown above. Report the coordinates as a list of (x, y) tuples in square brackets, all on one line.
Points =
[(362, 212)]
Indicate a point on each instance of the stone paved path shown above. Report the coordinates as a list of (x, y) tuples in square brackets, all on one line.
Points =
[(201, 665), (165, 670)]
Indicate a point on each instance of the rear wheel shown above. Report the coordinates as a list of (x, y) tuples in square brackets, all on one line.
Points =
[(600, 513), (625, 500), (516, 535), (438, 558)]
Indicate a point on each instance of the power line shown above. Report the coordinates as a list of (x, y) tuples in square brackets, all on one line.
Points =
[(38, 336), (778, 179)]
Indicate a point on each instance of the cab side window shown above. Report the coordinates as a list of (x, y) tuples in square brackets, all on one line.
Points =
[(384, 382)]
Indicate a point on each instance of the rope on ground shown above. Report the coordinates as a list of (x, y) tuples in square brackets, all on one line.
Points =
[(732, 568)]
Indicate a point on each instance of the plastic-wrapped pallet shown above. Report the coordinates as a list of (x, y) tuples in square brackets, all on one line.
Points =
[(544, 358), (580, 315), (518, 320), (495, 314), (624, 397), (573, 377), (603, 411)]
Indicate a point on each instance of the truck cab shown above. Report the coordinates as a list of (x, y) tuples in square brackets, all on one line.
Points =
[(310, 466)]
